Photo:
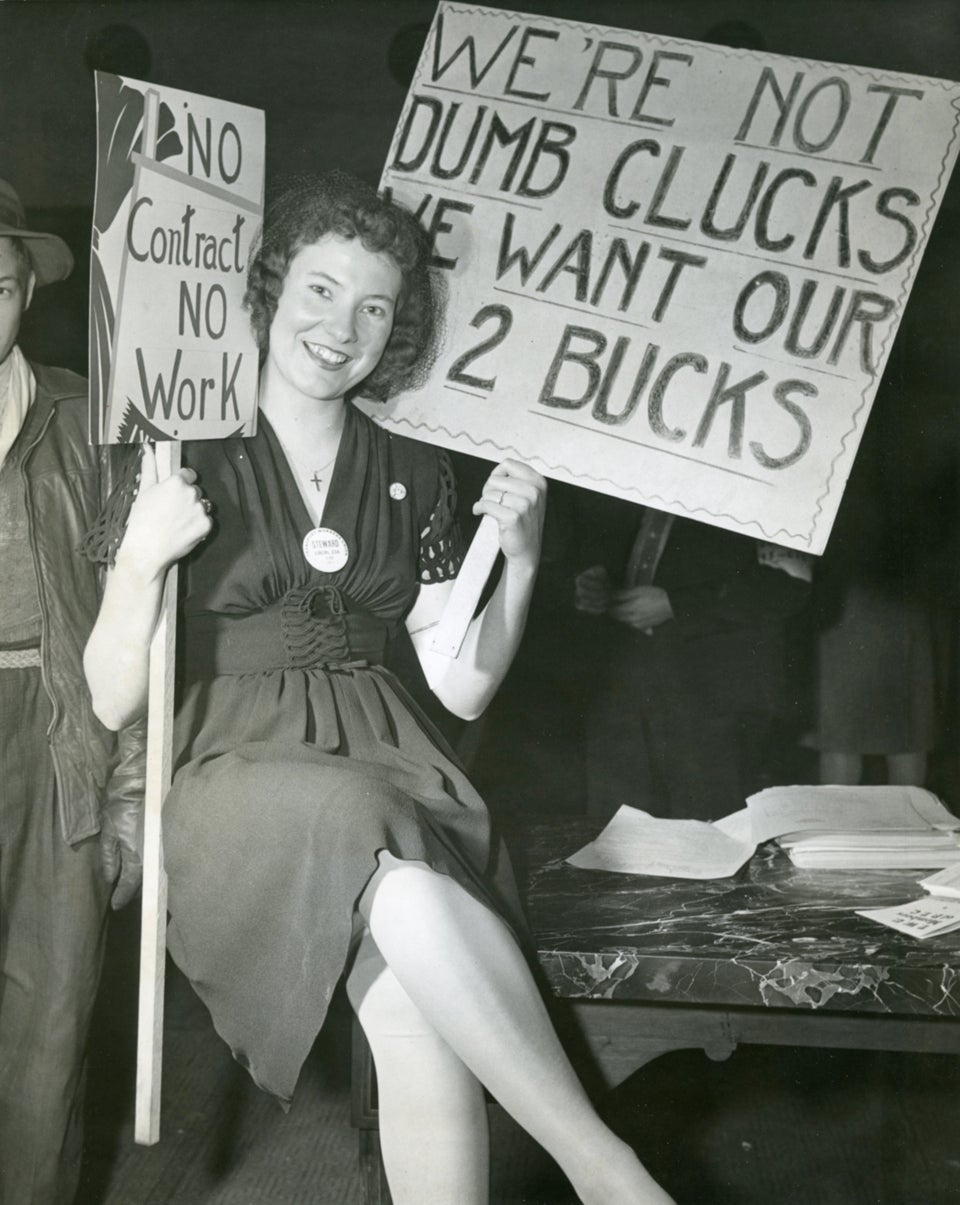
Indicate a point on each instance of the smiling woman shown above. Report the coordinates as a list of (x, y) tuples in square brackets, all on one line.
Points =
[(318, 826), (332, 324), (312, 210), (350, 271)]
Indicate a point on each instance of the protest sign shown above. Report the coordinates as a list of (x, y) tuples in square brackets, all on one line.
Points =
[(675, 270), (179, 201)]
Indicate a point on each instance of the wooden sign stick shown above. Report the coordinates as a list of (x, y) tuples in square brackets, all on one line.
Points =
[(153, 926), (150, 329), (467, 588)]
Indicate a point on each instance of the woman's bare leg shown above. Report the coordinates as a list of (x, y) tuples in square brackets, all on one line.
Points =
[(903, 769), (462, 968), (906, 769), (433, 1117), (841, 769)]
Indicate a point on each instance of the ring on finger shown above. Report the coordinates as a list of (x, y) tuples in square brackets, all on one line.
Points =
[(206, 504), (500, 499)]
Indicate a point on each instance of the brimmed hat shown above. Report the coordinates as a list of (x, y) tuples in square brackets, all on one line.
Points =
[(50, 255)]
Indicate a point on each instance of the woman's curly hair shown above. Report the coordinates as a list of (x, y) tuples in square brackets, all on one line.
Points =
[(309, 207)]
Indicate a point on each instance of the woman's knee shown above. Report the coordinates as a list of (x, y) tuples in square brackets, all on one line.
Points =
[(396, 884), (400, 882)]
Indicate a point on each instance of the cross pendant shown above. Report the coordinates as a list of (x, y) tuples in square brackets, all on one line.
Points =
[(317, 481)]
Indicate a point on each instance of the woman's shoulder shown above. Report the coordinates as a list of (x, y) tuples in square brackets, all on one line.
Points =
[(424, 461)]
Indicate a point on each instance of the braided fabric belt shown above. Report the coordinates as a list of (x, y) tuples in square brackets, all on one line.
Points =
[(19, 658), (310, 627)]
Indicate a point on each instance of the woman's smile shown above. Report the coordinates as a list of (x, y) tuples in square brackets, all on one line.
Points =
[(326, 355), (334, 318)]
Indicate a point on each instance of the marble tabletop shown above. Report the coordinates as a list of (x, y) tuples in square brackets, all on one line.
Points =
[(773, 935)]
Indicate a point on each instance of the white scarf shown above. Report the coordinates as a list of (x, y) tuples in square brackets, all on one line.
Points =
[(18, 388)]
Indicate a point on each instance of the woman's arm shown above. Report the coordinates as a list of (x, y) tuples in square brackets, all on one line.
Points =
[(515, 496), (166, 520)]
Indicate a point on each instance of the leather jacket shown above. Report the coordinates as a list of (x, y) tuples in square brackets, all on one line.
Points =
[(66, 483)]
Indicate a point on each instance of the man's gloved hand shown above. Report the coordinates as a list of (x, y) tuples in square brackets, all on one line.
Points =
[(121, 848), (121, 820)]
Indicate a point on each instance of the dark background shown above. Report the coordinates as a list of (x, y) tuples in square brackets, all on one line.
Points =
[(331, 76)]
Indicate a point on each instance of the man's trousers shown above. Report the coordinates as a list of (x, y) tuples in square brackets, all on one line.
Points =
[(53, 909)]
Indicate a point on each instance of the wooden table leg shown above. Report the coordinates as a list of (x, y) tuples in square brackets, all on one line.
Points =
[(363, 1115), (372, 1176)]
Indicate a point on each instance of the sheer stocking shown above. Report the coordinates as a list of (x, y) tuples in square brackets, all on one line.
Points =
[(462, 969)]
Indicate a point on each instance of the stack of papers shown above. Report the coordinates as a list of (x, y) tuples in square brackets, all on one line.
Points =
[(827, 827), (836, 827), (901, 849)]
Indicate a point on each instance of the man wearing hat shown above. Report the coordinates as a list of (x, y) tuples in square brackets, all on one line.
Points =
[(65, 779)]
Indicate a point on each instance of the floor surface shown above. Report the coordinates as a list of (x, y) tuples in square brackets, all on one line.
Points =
[(796, 1127)]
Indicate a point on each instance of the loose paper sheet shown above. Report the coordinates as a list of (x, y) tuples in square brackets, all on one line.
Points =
[(921, 918), (634, 842), (675, 270), (945, 882), (179, 202)]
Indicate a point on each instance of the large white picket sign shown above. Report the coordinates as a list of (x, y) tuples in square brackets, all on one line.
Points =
[(675, 270)]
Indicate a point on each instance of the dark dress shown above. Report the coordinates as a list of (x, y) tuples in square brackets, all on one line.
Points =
[(300, 756)]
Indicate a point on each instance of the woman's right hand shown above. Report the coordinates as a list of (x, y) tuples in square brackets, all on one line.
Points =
[(167, 519)]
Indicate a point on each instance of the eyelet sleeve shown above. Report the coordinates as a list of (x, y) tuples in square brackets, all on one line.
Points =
[(441, 547), (101, 542)]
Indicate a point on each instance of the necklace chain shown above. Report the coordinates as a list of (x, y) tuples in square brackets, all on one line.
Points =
[(314, 474)]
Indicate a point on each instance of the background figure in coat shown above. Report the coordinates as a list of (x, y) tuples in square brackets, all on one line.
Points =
[(55, 757), (882, 593), (685, 642)]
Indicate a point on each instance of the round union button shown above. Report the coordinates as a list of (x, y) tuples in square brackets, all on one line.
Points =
[(325, 549), (398, 491)]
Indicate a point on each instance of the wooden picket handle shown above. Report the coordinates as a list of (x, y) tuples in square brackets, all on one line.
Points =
[(153, 926), (468, 585)]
